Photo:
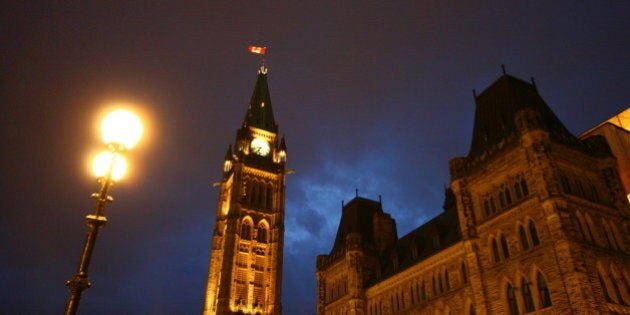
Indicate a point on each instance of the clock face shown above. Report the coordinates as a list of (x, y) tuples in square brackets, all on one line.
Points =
[(260, 147)]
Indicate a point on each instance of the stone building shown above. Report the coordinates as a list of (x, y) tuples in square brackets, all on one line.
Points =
[(245, 272), (535, 221)]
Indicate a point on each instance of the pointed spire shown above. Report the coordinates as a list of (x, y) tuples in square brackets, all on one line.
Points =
[(259, 111)]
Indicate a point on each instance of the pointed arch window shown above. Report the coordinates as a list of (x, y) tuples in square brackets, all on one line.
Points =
[(524, 188), (518, 191), (447, 280), (502, 200), (269, 196), (508, 196), (464, 272), (523, 237), (527, 296), (246, 231), (511, 300), (504, 247), (543, 291), (261, 234), (566, 187), (533, 232), (423, 291), (495, 250)]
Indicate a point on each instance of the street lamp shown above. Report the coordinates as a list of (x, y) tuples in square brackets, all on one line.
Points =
[(121, 130)]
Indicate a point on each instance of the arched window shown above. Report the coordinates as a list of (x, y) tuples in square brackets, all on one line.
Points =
[(261, 234), (471, 310), (527, 296), (533, 232), (604, 287), (446, 281), (566, 187), (495, 250), (518, 191), (523, 237), (269, 196), (508, 196), (504, 247), (486, 208), (511, 300), (246, 230), (543, 291), (464, 272), (423, 291), (524, 187), (434, 286), (502, 199)]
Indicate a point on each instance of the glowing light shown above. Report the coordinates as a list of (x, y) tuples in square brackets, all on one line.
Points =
[(121, 127), (108, 161)]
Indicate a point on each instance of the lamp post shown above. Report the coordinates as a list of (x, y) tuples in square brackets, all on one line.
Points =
[(121, 130)]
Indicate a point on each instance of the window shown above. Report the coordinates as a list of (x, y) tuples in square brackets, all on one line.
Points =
[(533, 232), (527, 296), (261, 234), (524, 188), (502, 199), (508, 196), (504, 247), (604, 287), (566, 187), (471, 310), (423, 292), (495, 250), (543, 291), (246, 231), (464, 273), (511, 300), (434, 285), (523, 236), (517, 190)]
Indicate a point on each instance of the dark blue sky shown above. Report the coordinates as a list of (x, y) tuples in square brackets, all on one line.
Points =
[(370, 95)]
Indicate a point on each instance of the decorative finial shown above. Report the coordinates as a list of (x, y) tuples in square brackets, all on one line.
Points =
[(503, 69), (534, 84), (262, 69)]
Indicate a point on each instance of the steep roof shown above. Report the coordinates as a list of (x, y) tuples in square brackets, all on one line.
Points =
[(357, 217), (259, 111), (496, 109)]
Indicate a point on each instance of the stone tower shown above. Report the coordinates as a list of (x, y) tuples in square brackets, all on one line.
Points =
[(245, 273)]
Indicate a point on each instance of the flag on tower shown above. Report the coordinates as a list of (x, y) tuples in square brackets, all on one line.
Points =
[(257, 50)]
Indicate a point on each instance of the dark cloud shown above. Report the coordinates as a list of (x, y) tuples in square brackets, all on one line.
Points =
[(373, 96)]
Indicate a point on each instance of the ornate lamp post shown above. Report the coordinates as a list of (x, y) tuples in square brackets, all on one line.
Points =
[(121, 130)]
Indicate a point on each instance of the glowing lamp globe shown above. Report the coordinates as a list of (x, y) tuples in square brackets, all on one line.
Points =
[(108, 161), (121, 127)]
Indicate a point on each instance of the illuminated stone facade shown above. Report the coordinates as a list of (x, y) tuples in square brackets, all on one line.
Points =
[(245, 272), (535, 221)]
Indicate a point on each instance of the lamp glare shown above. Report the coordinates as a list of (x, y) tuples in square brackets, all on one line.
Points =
[(121, 127), (109, 162)]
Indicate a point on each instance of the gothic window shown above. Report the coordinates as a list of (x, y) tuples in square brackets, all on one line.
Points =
[(269, 196), (580, 188), (446, 281), (604, 287), (246, 230), (527, 296), (566, 187), (433, 285), (502, 200), (486, 208), (615, 286), (423, 291), (261, 234), (589, 228), (533, 232), (471, 310), (464, 273), (412, 295), (504, 247), (511, 300), (441, 283), (543, 291), (523, 237), (495, 250), (517, 191), (508, 196), (524, 188), (260, 200), (493, 209)]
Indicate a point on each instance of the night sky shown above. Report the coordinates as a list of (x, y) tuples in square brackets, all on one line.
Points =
[(369, 95)]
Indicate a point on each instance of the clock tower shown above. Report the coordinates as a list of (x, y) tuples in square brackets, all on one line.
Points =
[(245, 273)]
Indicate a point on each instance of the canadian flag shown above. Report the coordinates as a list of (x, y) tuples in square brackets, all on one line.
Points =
[(257, 50)]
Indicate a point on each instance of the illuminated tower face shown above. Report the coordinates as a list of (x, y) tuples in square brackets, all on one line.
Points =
[(245, 273)]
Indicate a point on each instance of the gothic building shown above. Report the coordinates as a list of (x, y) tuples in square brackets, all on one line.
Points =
[(535, 221), (245, 272)]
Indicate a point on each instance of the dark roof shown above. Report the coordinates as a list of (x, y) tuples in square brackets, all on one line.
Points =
[(357, 217), (259, 112), (496, 111)]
